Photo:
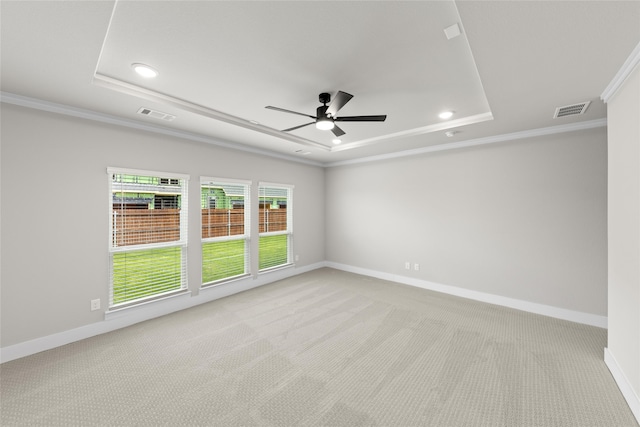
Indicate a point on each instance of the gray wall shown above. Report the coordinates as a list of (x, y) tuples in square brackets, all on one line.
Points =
[(55, 211), (623, 110), (525, 220)]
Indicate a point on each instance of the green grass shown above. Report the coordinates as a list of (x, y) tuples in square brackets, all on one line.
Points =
[(273, 251), (144, 273), (140, 274), (221, 260)]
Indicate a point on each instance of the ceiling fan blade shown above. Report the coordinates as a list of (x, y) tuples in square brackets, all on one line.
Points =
[(338, 102), (337, 131), (289, 111), (297, 127), (381, 118)]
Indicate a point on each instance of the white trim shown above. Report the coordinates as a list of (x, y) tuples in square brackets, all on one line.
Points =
[(219, 239), (147, 246), (276, 268), (224, 281), (621, 76), (531, 307), (154, 174), (214, 180), (151, 95), (274, 185), (571, 127), (38, 104), (465, 121), (106, 34), (275, 233), (623, 384), (147, 312), (210, 293), (126, 309)]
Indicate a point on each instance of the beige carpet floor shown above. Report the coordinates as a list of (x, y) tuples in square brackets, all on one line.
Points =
[(325, 348)]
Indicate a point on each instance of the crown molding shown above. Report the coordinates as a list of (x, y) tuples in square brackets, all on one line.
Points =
[(571, 127), (39, 104), (151, 95), (625, 71), (464, 121), (52, 107)]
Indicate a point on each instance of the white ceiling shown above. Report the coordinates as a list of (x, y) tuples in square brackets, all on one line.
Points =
[(221, 63)]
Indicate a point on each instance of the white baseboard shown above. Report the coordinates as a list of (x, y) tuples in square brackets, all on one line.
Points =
[(120, 320), (623, 384), (531, 307), (124, 318)]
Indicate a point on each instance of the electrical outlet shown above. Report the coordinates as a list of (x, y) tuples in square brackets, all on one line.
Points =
[(95, 304), (407, 265), (416, 267)]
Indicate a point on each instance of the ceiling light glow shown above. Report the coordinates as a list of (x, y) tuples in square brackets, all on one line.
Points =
[(446, 115), (337, 141), (324, 124), (144, 70)]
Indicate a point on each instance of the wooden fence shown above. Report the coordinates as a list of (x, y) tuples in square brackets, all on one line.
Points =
[(272, 220), (141, 226), (222, 222)]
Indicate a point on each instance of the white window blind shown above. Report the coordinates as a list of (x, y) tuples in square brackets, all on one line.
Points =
[(226, 220), (275, 222), (148, 235)]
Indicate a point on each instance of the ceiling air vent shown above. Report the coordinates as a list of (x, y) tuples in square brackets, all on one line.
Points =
[(156, 114), (571, 110)]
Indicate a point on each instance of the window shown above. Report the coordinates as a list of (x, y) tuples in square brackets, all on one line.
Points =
[(275, 220), (171, 181), (148, 236), (226, 220)]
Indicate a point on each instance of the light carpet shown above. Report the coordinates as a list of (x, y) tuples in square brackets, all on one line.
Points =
[(325, 348)]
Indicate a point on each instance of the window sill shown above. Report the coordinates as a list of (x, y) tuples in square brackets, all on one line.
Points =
[(118, 312), (210, 285), (278, 268)]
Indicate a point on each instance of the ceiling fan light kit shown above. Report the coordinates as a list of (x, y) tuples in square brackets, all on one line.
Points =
[(326, 115), (324, 123)]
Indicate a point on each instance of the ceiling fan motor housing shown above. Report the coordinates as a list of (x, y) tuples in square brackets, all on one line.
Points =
[(321, 112), (324, 98)]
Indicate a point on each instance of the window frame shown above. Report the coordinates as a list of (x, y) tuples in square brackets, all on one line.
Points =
[(289, 228), (246, 236), (181, 243)]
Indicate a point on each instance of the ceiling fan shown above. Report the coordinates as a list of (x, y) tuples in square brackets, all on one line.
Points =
[(325, 117)]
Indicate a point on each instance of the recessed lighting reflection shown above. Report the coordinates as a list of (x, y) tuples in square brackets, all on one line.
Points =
[(144, 70), (446, 114), (337, 141)]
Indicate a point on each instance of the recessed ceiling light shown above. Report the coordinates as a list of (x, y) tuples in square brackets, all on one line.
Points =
[(337, 141), (451, 133), (445, 114), (144, 70)]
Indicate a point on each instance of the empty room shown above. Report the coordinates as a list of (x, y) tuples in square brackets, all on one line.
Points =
[(320, 213)]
